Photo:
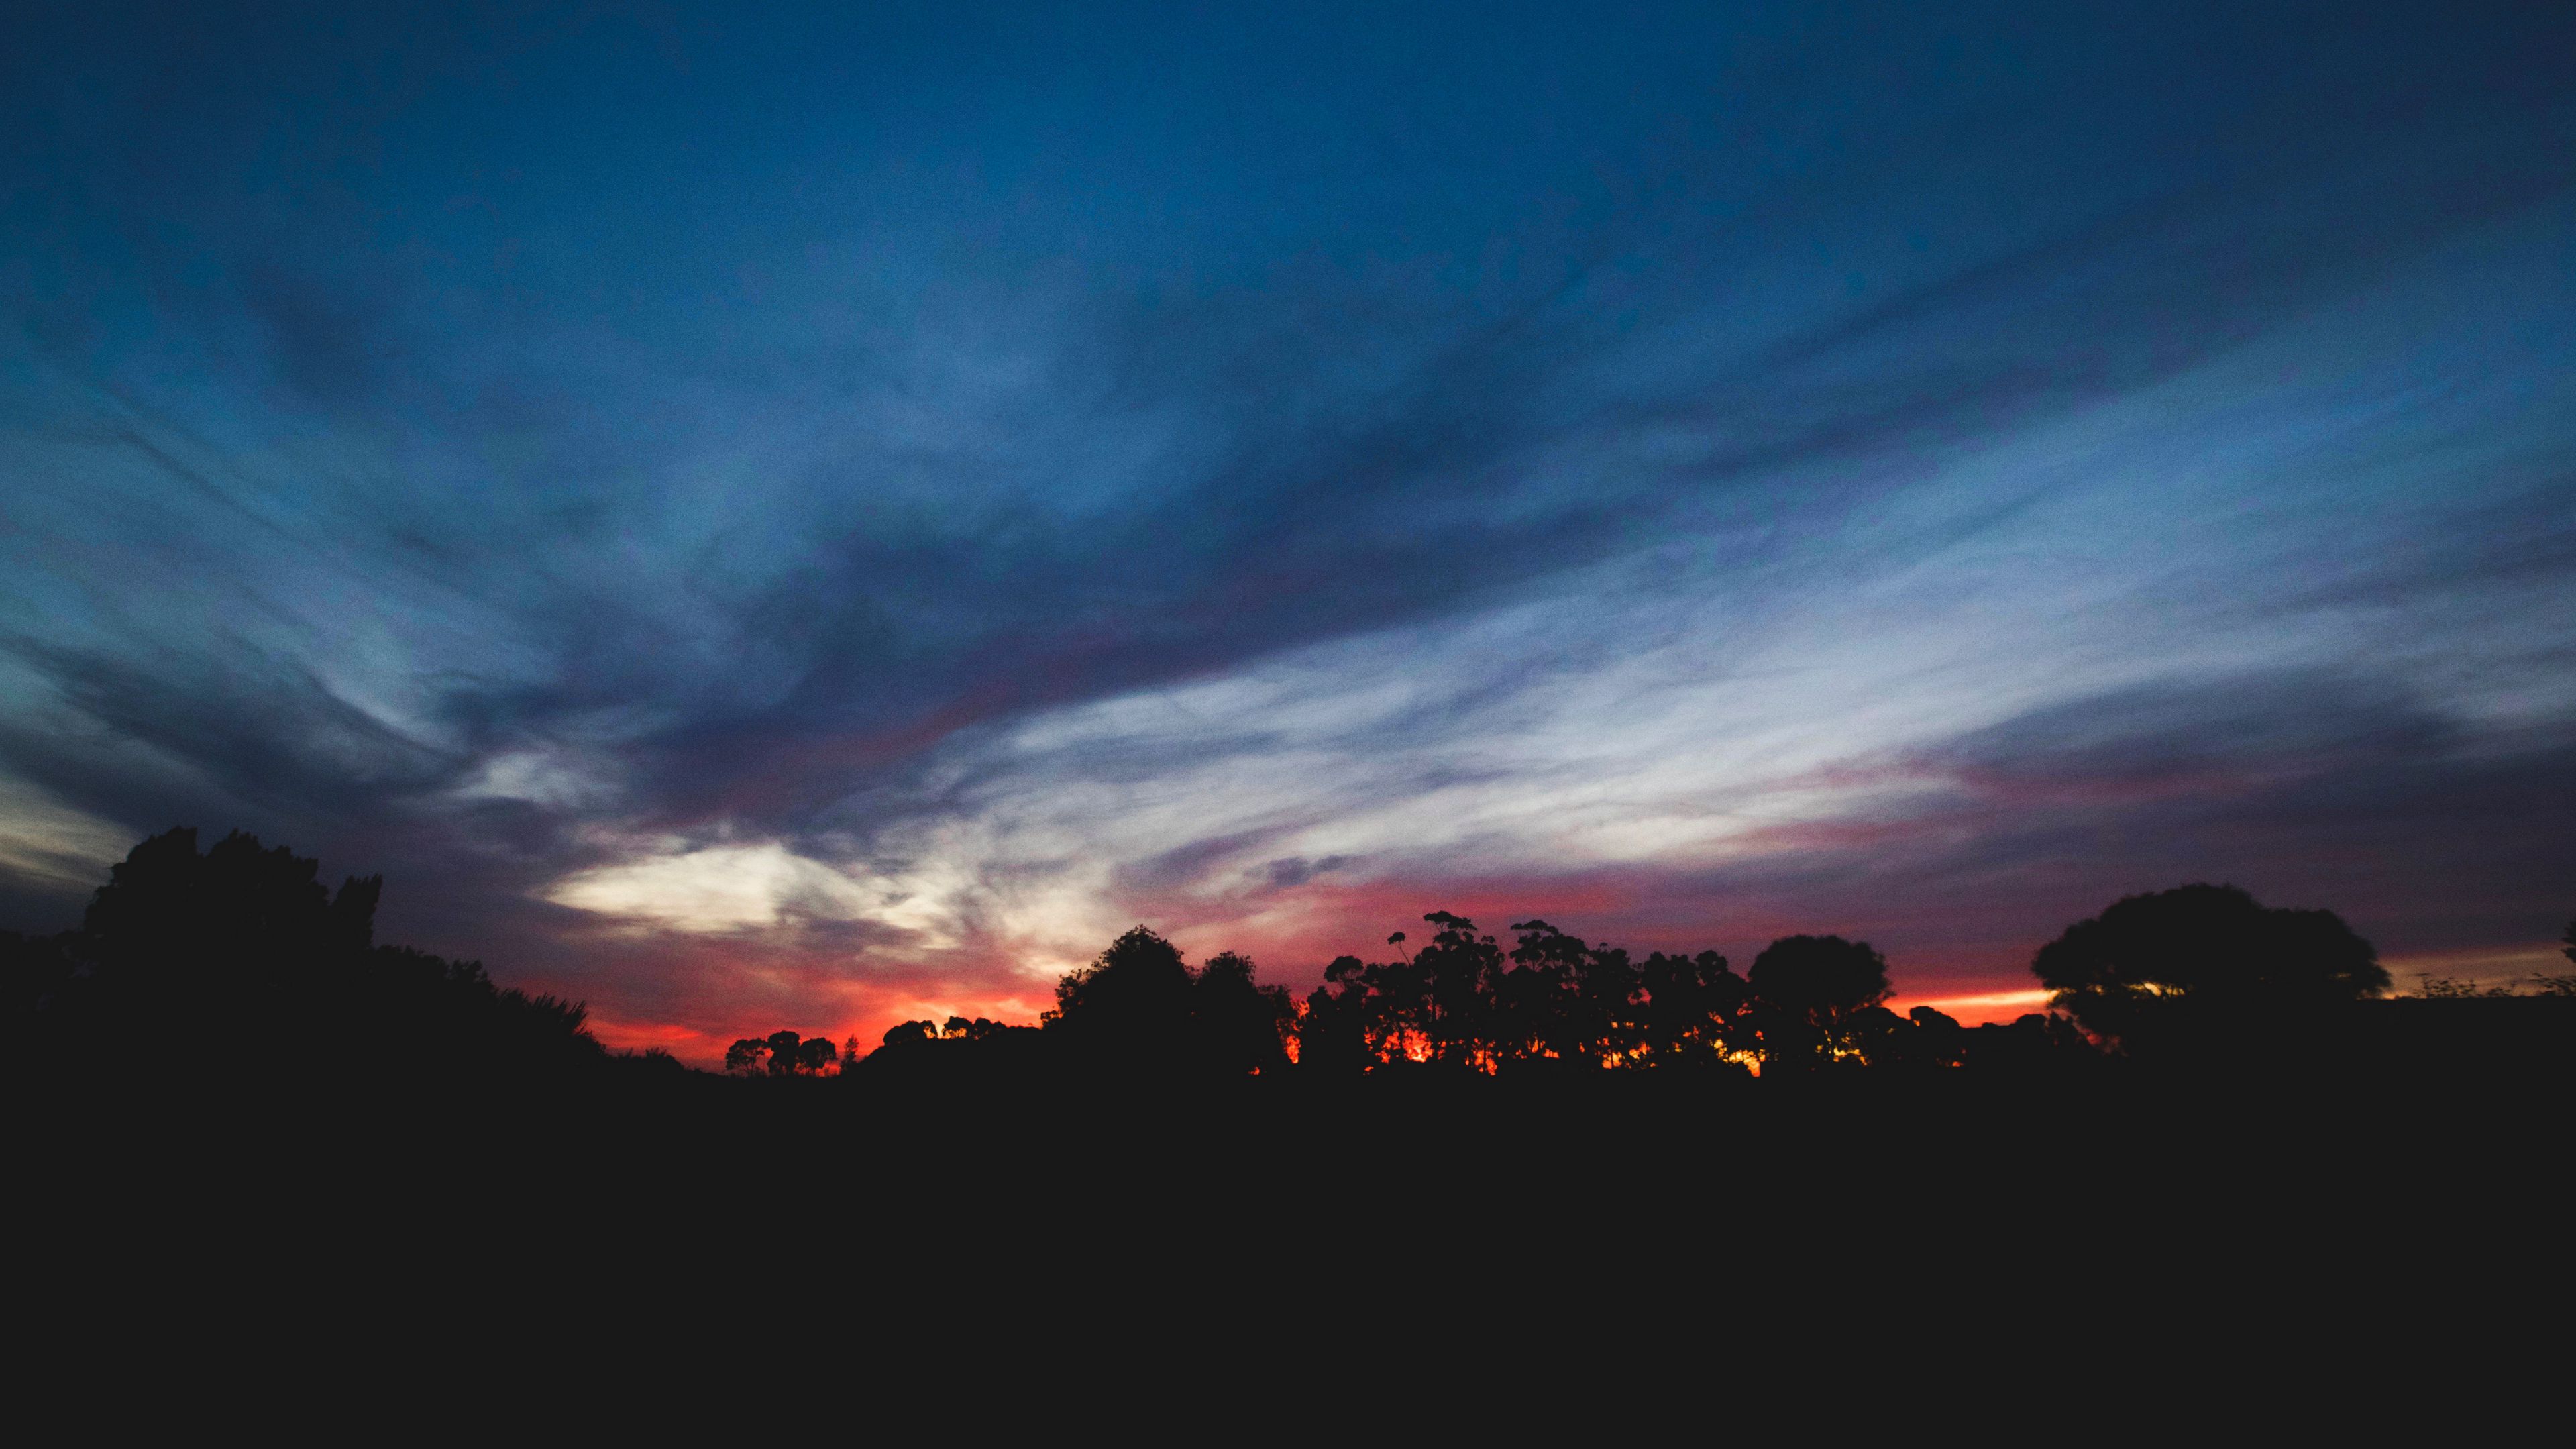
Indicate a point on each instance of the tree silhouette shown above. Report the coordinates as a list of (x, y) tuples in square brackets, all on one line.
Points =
[(781, 1054), (1823, 978), (1446, 998), (1239, 1026), (1811, 993), (2204, 967), (1937, 1040), (1691, 1002), (1563, 1001), (1334, 1035), (1138, 1005), (1552, 1002), (1132, 1001), (242, 942), (1534, 1011), (1440, 1006)]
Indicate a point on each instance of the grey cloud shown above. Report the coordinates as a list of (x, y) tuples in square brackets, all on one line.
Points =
[(1296, 870), (2215, 735), (2318, 791)]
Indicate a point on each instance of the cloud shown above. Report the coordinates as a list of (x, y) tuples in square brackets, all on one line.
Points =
[(2180, 737), (45, 848), (716, 889)]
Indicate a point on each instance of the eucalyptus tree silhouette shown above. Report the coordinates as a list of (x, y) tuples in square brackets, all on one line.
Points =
[(1568, 1003), (1537, 1012), (1449, 994), (1441, 1006), (1552, 1002), (2203, 968), (1691, 1002), (1334, 1032)]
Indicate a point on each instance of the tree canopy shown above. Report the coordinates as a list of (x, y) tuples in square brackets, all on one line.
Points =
[(242, 943), (2180, 969), (1139, 1002)]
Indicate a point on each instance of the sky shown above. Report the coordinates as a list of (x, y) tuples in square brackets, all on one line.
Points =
[(761, 517)]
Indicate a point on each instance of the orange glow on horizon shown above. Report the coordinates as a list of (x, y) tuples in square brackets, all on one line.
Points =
[(1980, 1008)]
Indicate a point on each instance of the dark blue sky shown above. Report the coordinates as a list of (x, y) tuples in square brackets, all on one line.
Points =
[(765, 516)]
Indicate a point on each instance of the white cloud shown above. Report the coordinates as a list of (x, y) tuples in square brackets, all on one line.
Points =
[(45, 841), (717, 889)]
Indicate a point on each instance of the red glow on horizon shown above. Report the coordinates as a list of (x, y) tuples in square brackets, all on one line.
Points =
[(1979, 1008)]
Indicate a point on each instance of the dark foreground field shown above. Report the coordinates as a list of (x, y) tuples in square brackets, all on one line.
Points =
[(1929, 1164), (1474, 1246)]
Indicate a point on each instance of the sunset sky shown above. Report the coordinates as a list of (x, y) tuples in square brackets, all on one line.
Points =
[(766, 516)]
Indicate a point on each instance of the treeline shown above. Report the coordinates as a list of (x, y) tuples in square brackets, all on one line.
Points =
[(1464, 1002), (237, 960), (2200, 973)]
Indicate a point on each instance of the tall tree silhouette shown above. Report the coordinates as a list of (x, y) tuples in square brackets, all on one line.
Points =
[(1449, 994), (1441, 1006), (2203, 967), (1691, 1004), (1551, 1002), (1563, 1001), (1336, 1033)]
